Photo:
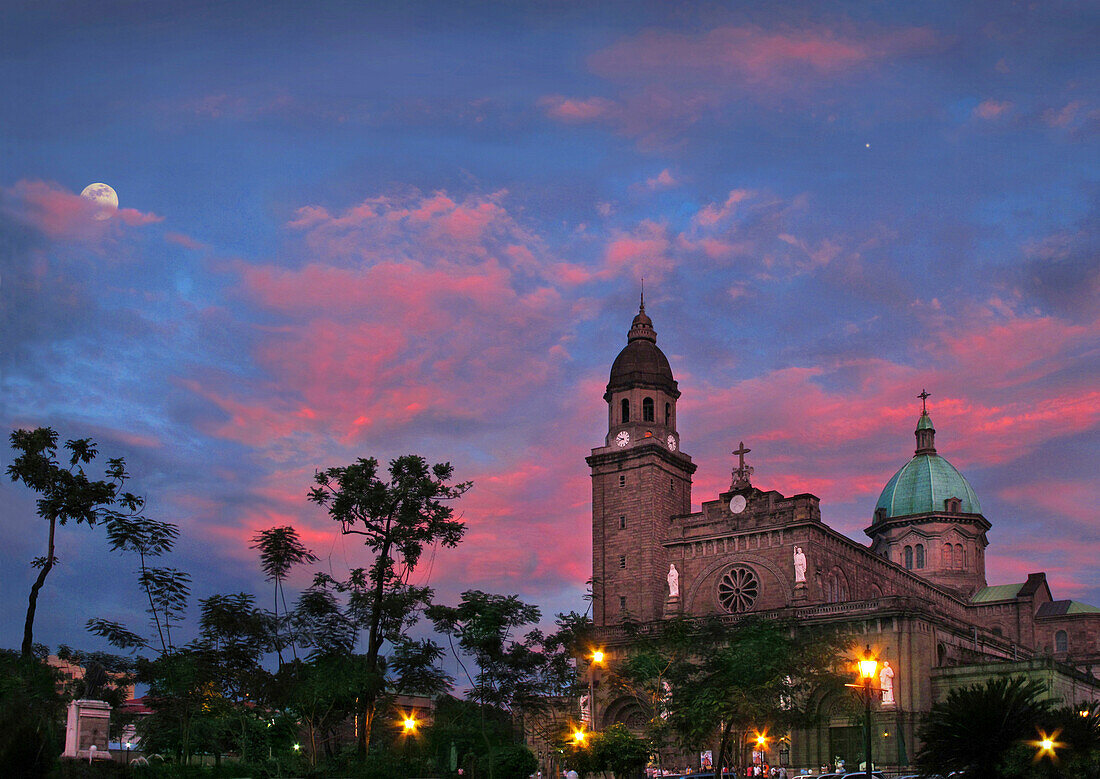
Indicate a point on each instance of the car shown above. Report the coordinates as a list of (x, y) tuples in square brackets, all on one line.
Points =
[(863, 775)]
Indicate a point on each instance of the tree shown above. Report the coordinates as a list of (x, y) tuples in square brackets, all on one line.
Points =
[(509, 671), (30, 712), (66, 493), (619, 751), (644, 675), (234, 636), (397, 518), (974, 727), (166, 589), (715, 683), (280, 550)]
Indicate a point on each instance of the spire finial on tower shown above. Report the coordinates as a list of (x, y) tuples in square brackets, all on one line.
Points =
[(642, 326), (926, 433)]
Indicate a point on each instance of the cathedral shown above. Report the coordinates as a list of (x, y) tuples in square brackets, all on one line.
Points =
[(917, 592)]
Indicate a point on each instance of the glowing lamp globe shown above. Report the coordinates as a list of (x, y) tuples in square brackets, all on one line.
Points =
[(868, 666)]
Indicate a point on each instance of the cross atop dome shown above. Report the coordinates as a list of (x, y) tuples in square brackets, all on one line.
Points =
[(925, 432), (924, 396)]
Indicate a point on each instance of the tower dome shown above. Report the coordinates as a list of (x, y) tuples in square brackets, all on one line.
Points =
[(925, 483), (641, 363)]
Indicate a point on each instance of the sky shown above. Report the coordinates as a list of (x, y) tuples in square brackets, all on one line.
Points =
[(365, 229)]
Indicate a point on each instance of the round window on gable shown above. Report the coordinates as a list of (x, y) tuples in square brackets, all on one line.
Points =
[(738, 589)]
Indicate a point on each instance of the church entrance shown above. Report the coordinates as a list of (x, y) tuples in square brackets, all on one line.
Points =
[(846, 743)]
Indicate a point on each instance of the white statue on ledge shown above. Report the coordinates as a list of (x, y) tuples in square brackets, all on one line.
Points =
[(799, 566), (673, 581), (886, 683)]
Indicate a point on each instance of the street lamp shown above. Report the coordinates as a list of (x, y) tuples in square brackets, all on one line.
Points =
[(1047, 745), (578, 737), (595, 660), (868, 670), (409, 725), (762, 748)]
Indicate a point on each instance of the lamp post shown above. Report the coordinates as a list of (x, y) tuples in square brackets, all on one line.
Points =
[(596, 659), (762, 748), (868, 670)]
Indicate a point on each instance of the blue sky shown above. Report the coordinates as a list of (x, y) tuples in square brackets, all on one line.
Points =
[(348, 230)]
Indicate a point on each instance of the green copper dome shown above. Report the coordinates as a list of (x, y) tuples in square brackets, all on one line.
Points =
[(924, 483)]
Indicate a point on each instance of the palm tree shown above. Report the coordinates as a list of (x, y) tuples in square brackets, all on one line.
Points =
[(974, 727), (280, 550)]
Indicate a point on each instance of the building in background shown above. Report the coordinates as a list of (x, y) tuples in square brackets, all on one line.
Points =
[(918, 592)]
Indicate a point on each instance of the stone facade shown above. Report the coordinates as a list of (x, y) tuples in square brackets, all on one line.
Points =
[(917, 594)]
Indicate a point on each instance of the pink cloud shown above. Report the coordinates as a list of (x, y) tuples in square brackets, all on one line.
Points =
[(641, 252), (992, 109), (399, 293), (1064, 116), (62, 215), (755, 55), (135, 218), (712, 214), (185, 241), (840, 430), (577, 110), (663, 180)]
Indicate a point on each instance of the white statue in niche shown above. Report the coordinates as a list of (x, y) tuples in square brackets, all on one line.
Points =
[(666, 698), (673, 581), (799, 566), (886, 683)]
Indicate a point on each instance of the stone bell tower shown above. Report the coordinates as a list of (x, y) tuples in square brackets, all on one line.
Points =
[(640, 480)]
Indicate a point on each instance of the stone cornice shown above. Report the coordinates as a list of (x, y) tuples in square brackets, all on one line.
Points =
[(643, 448), (934, 516)]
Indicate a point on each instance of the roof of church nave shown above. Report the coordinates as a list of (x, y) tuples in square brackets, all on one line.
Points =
[(641, 362), (923, 484)]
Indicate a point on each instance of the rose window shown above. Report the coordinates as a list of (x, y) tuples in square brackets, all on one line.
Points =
[(738, 589)]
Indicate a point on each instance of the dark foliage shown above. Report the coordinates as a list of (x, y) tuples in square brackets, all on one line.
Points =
[(30, 713), (975, 727)]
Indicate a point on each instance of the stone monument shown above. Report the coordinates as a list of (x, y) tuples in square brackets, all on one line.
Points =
[(86, 730)]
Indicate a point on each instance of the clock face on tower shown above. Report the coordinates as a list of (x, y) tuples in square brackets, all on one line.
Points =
[(671, 443), (622, 439), (738, 503)]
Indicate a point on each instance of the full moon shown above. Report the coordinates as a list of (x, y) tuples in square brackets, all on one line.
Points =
[(105, 198)]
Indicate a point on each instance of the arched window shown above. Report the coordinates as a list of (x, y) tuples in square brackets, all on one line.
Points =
[(947, 561), (647, 410), (626, 410), (920, 556), (908, 555), (1061, 641), (668, 413), (960, 556)]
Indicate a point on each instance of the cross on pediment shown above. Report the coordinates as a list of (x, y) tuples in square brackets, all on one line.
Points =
[(742, 473), (741, 451)]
